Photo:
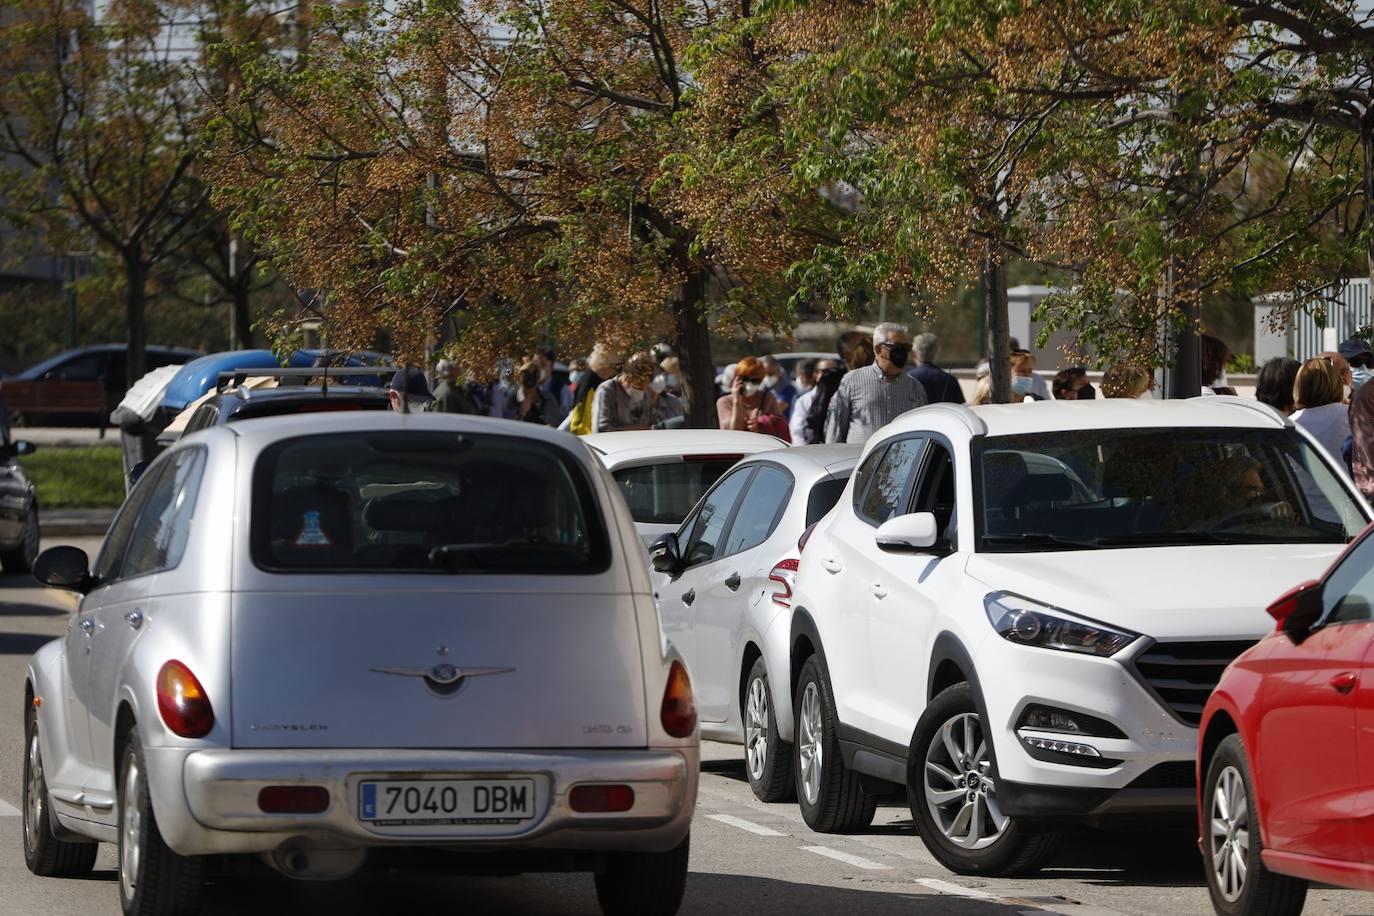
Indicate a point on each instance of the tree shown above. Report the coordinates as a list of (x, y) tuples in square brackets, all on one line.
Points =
[(98, 140)]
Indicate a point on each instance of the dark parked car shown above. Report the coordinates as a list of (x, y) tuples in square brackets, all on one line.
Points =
[(18, 505), (247, 403), (100, 363)]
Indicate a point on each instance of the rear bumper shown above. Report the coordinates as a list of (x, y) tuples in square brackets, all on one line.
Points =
[(206, 802)]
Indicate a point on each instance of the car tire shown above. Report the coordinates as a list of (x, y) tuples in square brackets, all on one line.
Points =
[(644, 883), (153, 880), (829, 793), (1237, 879), (952, 792), (44, 854), (767, 758), (20, 559)]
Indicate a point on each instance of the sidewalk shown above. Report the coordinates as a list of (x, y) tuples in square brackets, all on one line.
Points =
[(64, 436), (75, 522)]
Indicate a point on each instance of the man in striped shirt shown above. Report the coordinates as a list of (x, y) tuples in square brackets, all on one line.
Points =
[(870, 398)]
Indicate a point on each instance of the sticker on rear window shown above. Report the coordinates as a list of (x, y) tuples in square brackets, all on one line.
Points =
[(312, 535)]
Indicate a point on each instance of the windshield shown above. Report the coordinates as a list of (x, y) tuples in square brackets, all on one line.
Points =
[(408, 501), (663, 494), (1085, 489)]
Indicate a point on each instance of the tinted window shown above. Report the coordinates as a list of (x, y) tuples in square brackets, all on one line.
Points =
[(412, 501), (164, 524), (864, 475), (935, 489), (88, 368), (203, 417), (1156, 487), (760, 510), (886, 494), (109, 562), (664, 493), (1349, 592), (708, 527), (823, 497)]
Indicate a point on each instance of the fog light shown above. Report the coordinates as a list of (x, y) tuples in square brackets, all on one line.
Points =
[(1061, 747), (601, 799), (293, 799), (1050, 720)]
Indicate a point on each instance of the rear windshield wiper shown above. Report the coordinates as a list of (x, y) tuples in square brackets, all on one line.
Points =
[(1039, 539)]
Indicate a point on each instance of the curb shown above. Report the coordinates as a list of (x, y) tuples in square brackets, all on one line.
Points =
[(75, 522)]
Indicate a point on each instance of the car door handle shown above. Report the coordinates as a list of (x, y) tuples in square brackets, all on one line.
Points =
[(87, 625), (134, 619), (1345, 681), (690, 596), (732, 583), (879, 590), (831, 564)]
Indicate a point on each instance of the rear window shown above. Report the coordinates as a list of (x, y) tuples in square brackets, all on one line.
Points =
[(283, 406), (429, 502), (823, 497), (663, 494)]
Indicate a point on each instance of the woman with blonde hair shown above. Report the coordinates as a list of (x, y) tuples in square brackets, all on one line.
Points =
[(1318, 393), (1125, 381), (749, 406)]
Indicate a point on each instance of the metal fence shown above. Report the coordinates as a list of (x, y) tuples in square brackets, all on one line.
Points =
[(1343, 310)]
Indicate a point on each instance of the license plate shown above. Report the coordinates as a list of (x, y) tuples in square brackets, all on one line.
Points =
[(446, 802)]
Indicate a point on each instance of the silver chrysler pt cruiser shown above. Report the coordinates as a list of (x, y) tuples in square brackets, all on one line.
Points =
[(308, 638)]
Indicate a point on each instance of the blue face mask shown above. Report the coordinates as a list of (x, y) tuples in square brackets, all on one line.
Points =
[(575, 376), (1021, 384), (1360, 375)]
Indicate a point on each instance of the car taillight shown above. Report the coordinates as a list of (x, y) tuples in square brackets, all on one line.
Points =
[(182, 701), (785, 575), (679, 710), (806, 536)]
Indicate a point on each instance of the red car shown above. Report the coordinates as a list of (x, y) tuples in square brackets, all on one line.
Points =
[(1286, 756)]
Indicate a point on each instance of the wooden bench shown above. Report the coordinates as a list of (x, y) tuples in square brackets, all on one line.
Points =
[(23, 397)]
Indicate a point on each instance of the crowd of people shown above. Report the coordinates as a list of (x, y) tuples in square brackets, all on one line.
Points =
[(871, 380)]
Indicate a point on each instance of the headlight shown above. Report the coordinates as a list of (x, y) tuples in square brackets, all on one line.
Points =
[(11, 502), (1029, 623)]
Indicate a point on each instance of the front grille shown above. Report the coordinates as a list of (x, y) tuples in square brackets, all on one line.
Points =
[(1177, 774), (1183, 674)]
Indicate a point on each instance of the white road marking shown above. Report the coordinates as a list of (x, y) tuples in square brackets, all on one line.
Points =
[(856, 861), (8, 810), (741, 823), (958, 890)]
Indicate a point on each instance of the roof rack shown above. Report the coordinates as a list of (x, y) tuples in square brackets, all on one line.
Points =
[(238, 376)]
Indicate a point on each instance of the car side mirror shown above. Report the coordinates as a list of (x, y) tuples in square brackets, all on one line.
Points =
[(917, 532), (1298, 609), (64, 567), (21, 448), (665, 554)]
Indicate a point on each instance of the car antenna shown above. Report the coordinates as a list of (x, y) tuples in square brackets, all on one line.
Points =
[(324, 379)]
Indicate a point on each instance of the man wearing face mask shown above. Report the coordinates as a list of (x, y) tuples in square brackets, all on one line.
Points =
[(1361, 359), (870, 398), (1072, 385), (625, 402), (776, 382)]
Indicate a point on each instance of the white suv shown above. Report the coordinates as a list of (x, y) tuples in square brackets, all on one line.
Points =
[(1017, 612)]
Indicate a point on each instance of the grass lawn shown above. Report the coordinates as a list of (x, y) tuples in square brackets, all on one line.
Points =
[(77, 478)]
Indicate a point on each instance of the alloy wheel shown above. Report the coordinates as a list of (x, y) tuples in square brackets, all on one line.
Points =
[(756, 737), (959, 788), (1230, 833), (33, 808), (131, 829), (809, 747)]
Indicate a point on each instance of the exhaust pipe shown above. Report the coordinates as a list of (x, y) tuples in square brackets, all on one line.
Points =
[(301, 859)]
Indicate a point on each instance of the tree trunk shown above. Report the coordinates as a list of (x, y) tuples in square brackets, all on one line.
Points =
[(135, 301), (243, 316), (693, 346), (1185, 378), (999, 325)]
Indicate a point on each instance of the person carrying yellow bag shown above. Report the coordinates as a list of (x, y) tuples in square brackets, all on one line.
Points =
[(601, 365)]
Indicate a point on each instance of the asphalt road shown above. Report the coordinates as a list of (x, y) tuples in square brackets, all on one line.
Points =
[(747, 857)]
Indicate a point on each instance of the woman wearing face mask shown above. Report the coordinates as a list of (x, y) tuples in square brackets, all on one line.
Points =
[(1023, 377), (749, 406), (625, 402)]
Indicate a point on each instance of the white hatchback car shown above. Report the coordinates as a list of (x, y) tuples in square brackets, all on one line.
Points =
[(1017, 612), (723, 583), (312, 637), (663, 472)]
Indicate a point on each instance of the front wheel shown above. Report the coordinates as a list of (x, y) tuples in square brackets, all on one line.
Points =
[(153, 880), (44, 854), (644, 883), (952, 791), (829, 793), (1239, 883), (767, 758)]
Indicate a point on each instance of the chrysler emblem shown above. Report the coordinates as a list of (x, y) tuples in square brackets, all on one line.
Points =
[(444, 679)]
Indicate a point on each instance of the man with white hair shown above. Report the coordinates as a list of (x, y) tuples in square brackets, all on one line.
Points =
[(449, 394), (940, 386), (873, 396)]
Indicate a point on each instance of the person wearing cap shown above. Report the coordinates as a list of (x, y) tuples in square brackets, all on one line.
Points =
[(408, 391), (1361, 359), (449, 395)]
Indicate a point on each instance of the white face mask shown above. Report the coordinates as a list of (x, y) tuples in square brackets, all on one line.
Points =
[(1146, 395), (636, 395), (659, 384), (749, 389)]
